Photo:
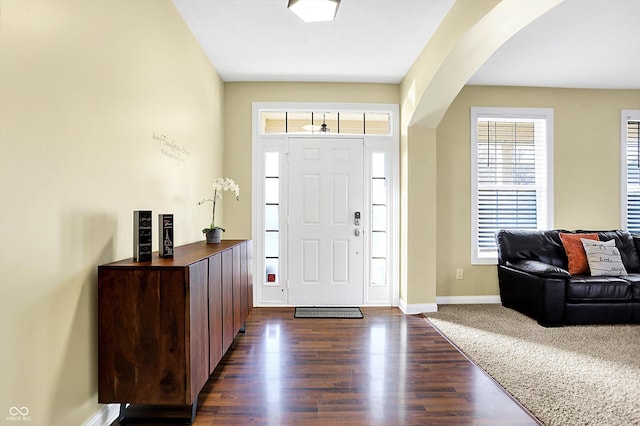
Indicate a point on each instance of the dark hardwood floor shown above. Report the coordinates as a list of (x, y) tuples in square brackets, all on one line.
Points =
[(385, 369)]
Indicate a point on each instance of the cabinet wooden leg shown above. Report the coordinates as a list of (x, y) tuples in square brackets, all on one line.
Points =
[(194, 408)]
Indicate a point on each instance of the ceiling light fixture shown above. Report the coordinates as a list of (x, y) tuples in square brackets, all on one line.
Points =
[(323, 127), (314, 10)]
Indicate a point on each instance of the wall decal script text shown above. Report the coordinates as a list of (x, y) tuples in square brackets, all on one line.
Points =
[(169, 148)]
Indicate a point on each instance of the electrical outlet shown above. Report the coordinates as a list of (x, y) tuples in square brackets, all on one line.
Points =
[(459, 274)]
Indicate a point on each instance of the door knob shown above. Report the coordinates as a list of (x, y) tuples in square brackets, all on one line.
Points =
[(357, 232)]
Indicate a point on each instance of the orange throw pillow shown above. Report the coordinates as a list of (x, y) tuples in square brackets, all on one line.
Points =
[(575, 252)]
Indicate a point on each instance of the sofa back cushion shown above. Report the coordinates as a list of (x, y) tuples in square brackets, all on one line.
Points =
[(626, 246), (543, 246)]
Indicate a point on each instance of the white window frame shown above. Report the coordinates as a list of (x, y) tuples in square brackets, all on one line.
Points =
[(507, 113), (626, 115)]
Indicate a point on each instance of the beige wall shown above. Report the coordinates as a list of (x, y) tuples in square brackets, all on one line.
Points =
[(586, 169), (84, 86), (238, 133)]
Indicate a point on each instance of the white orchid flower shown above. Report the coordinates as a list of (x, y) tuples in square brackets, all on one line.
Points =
[(219, 186)]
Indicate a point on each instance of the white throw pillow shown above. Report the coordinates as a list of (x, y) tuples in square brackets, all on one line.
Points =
[(603, 258)]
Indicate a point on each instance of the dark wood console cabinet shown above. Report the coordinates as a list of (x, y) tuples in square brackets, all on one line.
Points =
[(164, 325)]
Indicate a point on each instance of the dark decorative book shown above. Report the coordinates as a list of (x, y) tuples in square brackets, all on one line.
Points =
[(142, 235), (165, 235)]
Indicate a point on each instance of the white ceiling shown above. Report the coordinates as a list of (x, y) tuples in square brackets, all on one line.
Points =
[(261, 40), (580, 43)]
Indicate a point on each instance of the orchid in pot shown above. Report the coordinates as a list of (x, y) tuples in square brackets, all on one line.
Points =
[(220, 185)]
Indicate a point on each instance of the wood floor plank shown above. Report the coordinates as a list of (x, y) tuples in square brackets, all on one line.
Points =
[(385, 369)]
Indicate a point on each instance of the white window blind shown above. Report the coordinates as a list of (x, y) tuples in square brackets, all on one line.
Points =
[(511, 174), (630, 132)]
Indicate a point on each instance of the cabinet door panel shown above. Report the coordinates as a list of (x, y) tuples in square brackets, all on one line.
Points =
[(215, 311), (237, 291), (172, 366), (141, 336), (228, 332), (198, 326)]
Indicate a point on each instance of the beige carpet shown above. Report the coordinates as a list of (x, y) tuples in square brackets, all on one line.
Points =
[(576, 375)]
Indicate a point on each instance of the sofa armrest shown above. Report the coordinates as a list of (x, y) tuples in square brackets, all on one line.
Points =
[(542, 298), (541, 269)]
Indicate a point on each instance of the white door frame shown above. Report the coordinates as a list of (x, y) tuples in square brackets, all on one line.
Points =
[(275, 294)]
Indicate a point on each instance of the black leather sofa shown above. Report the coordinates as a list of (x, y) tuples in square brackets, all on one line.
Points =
[(534, 279)]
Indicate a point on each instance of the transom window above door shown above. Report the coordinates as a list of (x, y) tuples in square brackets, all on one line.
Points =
[(326, 122)]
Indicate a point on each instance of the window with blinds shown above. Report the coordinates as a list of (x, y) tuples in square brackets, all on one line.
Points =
[(630, 131), (511, 174)]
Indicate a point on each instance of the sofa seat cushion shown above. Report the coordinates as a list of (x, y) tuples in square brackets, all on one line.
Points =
[(634, 280), (598, 289)]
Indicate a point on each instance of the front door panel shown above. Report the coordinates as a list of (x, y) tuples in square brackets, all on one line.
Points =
[(325, 245)]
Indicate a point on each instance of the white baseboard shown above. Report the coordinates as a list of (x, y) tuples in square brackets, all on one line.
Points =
[(467, 300), (105, 416), (417, 308)]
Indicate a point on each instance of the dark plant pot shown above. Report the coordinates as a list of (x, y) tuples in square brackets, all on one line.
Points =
[(214, 236)]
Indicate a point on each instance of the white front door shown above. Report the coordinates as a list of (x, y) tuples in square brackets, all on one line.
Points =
[(325, 246)]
